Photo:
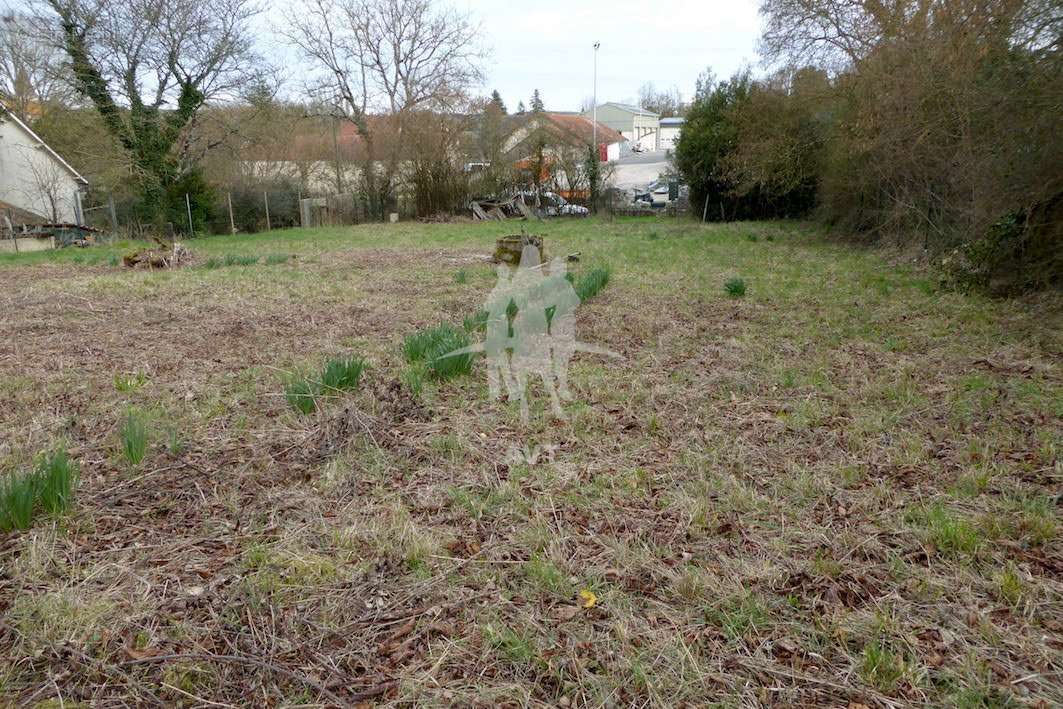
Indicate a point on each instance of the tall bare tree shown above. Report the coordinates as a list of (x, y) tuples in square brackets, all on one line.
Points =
[(31, 71), (381, 61), (148, 67)]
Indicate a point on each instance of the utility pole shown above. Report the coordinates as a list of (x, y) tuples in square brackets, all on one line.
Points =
[(594, 108)]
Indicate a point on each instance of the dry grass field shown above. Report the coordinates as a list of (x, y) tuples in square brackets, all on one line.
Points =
[(841, 488)]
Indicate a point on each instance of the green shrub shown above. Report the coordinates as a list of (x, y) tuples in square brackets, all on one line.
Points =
[(134, 434), (736, 287)]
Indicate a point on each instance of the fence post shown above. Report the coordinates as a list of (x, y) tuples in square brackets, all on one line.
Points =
[(188, 205), (232, 224), (265, 196)]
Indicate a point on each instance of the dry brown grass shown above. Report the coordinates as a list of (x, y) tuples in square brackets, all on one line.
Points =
[(839, 490)]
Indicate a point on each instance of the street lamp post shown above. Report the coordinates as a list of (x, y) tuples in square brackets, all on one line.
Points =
[(594, 108)]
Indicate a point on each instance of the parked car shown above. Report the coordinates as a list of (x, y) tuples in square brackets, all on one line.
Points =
[(657, 193)]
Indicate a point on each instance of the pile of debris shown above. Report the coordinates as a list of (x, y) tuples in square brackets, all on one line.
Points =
[(167, 256), (501, 210)]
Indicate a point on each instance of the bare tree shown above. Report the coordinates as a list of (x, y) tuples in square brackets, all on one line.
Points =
[(665, 102), (148, 67), (48, 184), (380, 61), (31, 72)]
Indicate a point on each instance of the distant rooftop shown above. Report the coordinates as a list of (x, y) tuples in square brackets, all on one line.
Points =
[(673, 121), (637, 110)]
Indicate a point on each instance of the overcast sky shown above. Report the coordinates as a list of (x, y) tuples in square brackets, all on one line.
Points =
[(547, 44)]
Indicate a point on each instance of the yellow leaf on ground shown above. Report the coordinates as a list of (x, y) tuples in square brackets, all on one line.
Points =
[(588, 597)]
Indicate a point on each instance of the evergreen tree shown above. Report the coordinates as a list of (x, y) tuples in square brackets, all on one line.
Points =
[(496, 100), (520, 108), (537, 103)]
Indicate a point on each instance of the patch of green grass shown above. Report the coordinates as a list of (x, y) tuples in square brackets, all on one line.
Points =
[(739, 617), (277, 259), (18, 495), (461, 278), (510, 645), (947, 532), (545, 576), (342, 374), (432, 345), (735, 287), (56, 476), (592, 282), (477, 322), (338, 375), (125, 382), (1010, 586), (881, 667), (49, 487), (413, 379), (301, 394), (239, 260), (134, 435)]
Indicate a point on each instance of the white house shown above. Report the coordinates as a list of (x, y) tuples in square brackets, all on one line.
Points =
[(669, 134), (636, 124), (36, 184)]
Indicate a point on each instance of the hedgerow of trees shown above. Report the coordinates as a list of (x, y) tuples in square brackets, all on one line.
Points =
[(934, 122)]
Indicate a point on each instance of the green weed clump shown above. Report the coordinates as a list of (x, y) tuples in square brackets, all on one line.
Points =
[(461, 278), (277, 259), (301, 394), (339, 374), (49, 487), (126, 383), (477, 322), (736, 287), (134, 433), (591, 283), (239, 260), (342, 374), (18, 493)]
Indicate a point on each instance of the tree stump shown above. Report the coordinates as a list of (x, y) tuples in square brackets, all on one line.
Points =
[(508, 249)]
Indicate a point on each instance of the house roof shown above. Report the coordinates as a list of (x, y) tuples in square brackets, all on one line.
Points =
[(637, 110), (41, 144), (582, 128), (673, 121)]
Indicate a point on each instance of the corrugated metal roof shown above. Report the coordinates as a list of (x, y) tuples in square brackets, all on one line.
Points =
[(637, 110)]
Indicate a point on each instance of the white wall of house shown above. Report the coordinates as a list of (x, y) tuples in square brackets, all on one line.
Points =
[(32, 177), (669, 134)]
